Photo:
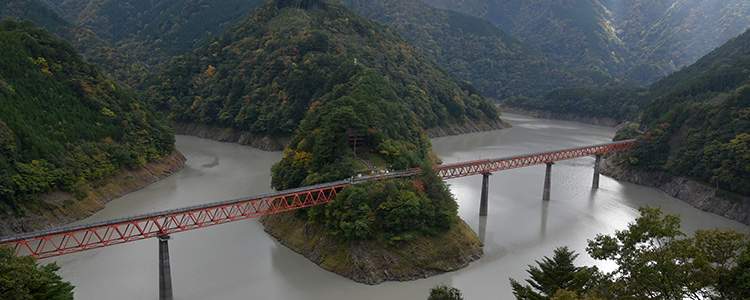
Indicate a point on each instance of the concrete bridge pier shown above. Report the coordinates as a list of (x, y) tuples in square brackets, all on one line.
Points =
[(597, 170), (485, 192), (545, 195), (165, 275)]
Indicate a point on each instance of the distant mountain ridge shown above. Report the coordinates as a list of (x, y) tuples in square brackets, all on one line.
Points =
[(155, 31), (474, 50), (123, 68), (645, 40)]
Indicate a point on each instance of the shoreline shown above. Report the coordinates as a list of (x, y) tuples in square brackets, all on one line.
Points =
[(66, 208)]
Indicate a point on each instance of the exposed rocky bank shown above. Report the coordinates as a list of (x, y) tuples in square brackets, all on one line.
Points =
[(371, 262), (230, 135), (59, 208), (697, 194), (467, 127), (548, 115), (266, 143)]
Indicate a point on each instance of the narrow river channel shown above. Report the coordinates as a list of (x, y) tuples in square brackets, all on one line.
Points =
[(240, 261)]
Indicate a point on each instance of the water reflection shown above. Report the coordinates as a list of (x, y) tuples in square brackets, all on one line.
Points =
[(545, 212), (240, 261), (482, 228), (212, 164)]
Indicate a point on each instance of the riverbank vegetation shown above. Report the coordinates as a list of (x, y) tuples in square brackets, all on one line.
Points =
[(653, 259), (617, 103), (63, 123), (698, 122), (23, 278)]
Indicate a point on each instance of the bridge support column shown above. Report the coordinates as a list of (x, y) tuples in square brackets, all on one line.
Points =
[(545, 195), (485, 192), (165, 275), (597, 170)]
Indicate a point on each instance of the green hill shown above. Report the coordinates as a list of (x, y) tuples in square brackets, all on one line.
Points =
[(353, 96), (576, 34), (155, 31), (123, 68), (264, 74), (699, 121), (474, 50), (63, 123)]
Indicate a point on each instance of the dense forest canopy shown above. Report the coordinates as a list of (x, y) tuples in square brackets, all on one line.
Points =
[(475, 50), (155, 31), (265, 73), (699, 121), (121, 67), (62, 121), (644, 40)]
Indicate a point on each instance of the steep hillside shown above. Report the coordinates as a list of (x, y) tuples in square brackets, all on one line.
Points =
[(155, 31), (264, 74), (474, 50), (63, 123), (699, 120), (669, 35), (577, 34), (123, 68), (644, 40)]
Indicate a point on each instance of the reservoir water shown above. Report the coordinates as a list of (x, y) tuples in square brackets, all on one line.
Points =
[(240, 261)]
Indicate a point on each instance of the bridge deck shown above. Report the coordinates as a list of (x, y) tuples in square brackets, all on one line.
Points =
[(59, 241)]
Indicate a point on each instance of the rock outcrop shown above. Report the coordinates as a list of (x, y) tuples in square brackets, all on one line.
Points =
[(697, 194), (371, 262)]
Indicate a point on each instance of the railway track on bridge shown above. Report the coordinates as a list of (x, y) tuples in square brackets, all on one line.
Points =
[(65, 240)]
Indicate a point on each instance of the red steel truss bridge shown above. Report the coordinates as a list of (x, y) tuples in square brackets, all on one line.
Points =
[(54, 242)]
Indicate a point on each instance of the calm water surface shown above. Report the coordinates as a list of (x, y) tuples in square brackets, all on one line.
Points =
[(240, 261)]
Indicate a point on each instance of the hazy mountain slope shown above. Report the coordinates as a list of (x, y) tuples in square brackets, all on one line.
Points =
[(642, 39), (688, 30), (474, 50), (576, 33), (699, 120), (155, 31), (63, 122), (264, 74), (121, 67)]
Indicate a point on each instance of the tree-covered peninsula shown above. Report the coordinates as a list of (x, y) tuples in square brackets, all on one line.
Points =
[(63, 126), (352, 96)]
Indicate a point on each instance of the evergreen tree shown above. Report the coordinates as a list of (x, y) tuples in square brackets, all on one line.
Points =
[(22, 278), (552, 275), (443, 292)]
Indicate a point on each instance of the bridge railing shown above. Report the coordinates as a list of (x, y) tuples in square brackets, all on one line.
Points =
[(54, 242), (59, 241), (475, 167)]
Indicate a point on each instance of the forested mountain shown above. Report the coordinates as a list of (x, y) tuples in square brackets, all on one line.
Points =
[(669, 35), (642, 39), (121, 67), (155, 31), (265, 73), (63, 123), (575, 33), (475, 50), (699, 121)]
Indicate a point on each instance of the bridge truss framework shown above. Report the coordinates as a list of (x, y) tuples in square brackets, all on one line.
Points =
[(54, 242)]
